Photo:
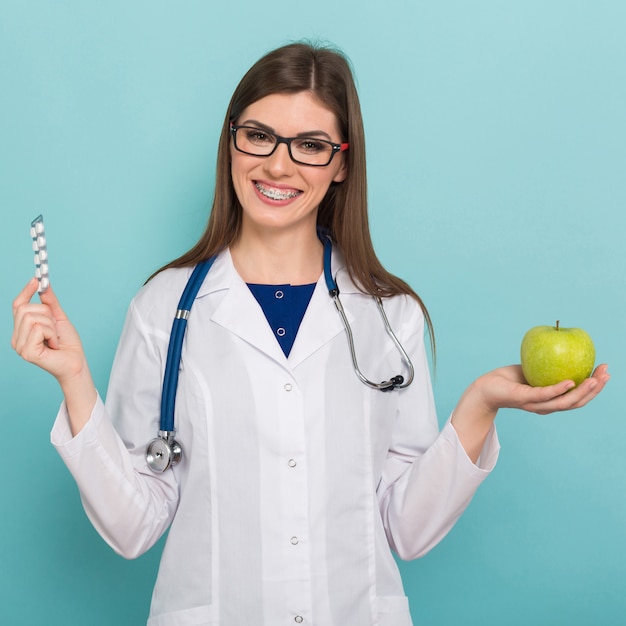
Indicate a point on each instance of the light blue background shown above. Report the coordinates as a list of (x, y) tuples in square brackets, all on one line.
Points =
[(497, 158)]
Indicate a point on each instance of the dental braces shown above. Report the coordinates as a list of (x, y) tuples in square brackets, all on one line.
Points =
[(40, 247)]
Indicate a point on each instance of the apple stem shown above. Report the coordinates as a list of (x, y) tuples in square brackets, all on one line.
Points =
[(557, 324)]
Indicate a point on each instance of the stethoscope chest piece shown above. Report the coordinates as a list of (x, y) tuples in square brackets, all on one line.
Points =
[(163, 452)]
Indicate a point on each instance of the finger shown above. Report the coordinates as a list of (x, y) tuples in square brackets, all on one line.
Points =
[(35, 334), (536, 394), (29, 316), (596, 383), (574, 399), (544, 400), (601, 373), (26, 295), (25, 314), (545, 394), (591, 387), (49, 299)]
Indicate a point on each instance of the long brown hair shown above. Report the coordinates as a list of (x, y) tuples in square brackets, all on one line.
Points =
[(326, 73)]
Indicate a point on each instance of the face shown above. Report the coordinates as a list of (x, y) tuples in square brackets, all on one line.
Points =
[(275, 192)]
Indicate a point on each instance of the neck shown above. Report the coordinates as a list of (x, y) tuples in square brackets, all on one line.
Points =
[(283, 258)]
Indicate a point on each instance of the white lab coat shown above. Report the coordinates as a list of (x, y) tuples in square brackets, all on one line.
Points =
[(296, 478)]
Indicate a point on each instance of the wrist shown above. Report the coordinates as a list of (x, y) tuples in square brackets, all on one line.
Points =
[(478, 399), (76, 380), (80, 396), (473, 418)]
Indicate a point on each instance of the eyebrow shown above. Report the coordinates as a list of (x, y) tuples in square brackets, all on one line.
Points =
[(308, 133)]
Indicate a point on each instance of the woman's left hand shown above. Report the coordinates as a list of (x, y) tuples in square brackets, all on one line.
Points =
[(505, 387)]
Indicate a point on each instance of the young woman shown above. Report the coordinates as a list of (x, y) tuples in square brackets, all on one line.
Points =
[(298, 478)]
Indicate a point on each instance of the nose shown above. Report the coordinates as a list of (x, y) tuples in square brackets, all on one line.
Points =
[(279, 163)]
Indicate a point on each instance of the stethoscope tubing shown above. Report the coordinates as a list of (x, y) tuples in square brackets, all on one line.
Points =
[(395, 382), (164, 452), (175, 347)]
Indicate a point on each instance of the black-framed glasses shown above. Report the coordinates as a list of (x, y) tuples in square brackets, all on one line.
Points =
[(302, 150)]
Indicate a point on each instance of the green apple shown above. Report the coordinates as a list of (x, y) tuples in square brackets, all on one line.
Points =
[(551, 354)]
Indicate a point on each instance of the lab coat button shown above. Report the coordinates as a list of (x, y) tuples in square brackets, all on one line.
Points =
[(291, 463), (279, 294), (298, 619), (281, 331), (294, 541), (288, 387)]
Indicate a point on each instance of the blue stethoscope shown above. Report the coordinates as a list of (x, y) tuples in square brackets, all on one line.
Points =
[(164, 451)]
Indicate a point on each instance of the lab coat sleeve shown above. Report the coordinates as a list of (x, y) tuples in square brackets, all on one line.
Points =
[(128, 504), (427, 480)]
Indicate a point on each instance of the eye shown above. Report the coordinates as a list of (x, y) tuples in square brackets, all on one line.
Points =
[(258, 137), (311, 146)]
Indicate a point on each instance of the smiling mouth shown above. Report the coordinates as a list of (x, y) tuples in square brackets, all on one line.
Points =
[(277, 194)]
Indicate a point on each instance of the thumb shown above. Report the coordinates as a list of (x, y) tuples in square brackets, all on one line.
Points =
[(49, 298)]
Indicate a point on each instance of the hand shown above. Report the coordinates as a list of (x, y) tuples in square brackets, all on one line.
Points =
[(43, 335), (505, 387)]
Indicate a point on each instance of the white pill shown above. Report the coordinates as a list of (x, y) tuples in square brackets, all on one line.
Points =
[(44, 284), (41, 241), (39, 227), (33, 232), (43, 255), (35, 246), (44, 269), (37, 272)]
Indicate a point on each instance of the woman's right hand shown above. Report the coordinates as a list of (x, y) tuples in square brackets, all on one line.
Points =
[(43, 335)]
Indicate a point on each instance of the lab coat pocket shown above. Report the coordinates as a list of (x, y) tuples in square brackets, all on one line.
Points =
[(393, 611), (197, 616)]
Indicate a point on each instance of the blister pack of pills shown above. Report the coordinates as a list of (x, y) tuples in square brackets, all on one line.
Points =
[(40, 247)]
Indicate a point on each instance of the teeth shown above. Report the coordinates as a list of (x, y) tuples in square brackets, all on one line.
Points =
[(277, 194)]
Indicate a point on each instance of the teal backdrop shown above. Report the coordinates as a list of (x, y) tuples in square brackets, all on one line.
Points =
[(497, 164)]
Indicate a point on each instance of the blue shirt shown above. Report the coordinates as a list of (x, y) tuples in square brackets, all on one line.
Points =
[(284, 307)]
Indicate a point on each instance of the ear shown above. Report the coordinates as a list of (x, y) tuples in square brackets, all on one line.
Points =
[(340, 176)]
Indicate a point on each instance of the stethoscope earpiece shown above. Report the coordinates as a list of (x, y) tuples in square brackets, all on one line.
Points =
[(394, 382)]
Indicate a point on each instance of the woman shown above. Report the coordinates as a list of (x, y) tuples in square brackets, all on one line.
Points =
[(297, 480)]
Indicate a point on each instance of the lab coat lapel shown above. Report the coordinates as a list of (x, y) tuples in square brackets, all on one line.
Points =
[(322, 322), (239, 312), (319, 325)]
